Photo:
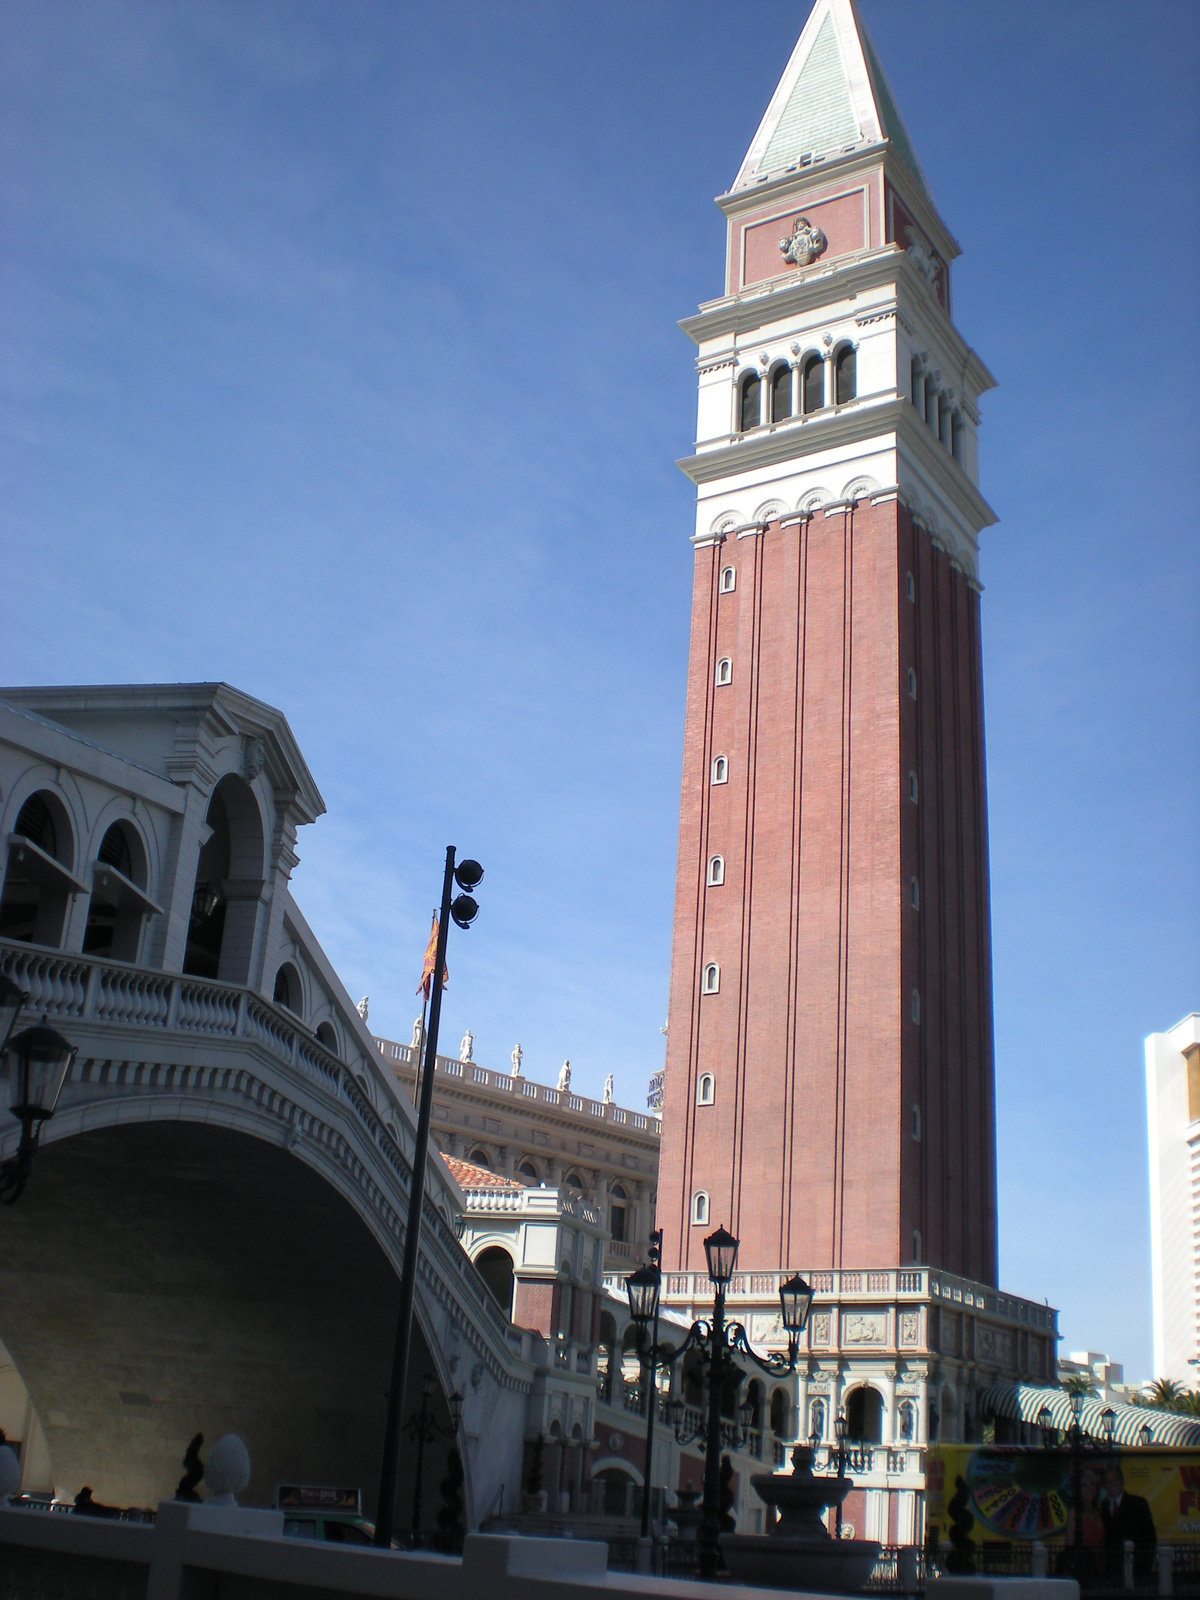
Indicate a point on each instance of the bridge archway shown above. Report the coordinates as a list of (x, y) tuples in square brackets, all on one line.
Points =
[(160, 1279)]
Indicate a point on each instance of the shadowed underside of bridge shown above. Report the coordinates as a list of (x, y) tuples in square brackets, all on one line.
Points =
[(163, 1279)]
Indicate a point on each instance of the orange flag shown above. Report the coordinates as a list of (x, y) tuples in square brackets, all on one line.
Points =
[(430, 963)]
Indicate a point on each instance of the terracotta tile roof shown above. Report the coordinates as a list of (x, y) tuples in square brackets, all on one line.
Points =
[(468, 1176)]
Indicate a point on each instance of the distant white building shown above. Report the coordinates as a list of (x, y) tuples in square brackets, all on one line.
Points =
[(1173, 1117), (1108, 1376)]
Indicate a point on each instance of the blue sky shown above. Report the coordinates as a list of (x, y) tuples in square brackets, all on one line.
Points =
[(340, 362)]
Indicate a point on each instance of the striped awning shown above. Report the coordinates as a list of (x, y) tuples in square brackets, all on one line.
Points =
[(1023, 1401)]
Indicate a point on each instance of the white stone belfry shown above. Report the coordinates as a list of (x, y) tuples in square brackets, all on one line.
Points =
[(831, 371)]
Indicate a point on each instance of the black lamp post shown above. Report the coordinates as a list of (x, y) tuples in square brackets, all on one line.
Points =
[(464, 909), (643, 1288), (716, 1343), (1075, 1401), (1079, 1441), (840, 1428), (1045, 1423), (38, 1060), (424, 1427)]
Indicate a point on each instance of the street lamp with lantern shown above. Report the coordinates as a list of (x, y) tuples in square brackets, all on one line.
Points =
[(424, 1428), (1080, 1440), (38, 1060), (716, 1343), (643, 1287), (840, 1428), (462, 910)]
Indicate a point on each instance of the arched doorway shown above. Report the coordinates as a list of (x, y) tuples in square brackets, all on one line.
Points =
[(495, 1267), (864, 1415), (615, 1492), (229, 884)]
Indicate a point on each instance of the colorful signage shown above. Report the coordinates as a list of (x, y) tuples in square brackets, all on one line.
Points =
[(1013, 1492)]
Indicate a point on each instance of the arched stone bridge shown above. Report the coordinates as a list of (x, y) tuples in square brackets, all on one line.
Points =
[(211, 1240)]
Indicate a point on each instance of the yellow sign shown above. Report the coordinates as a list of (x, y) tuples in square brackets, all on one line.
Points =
[(1012, 1492)]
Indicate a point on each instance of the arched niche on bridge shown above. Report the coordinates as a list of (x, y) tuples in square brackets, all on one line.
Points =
[(161, 1279), (36, 895), (495, 1267), (115, 916), (229, 885)]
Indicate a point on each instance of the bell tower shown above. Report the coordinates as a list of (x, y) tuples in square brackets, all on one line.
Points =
[(828, 1092)]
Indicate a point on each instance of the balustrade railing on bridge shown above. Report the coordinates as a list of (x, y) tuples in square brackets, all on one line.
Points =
[(86, 990)]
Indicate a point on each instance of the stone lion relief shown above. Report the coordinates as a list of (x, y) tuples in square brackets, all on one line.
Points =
[(804, 244)]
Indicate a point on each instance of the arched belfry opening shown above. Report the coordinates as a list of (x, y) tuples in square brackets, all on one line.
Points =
[(229, 886)]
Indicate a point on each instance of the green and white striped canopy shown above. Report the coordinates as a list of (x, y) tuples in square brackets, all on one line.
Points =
[(1023, 1401)]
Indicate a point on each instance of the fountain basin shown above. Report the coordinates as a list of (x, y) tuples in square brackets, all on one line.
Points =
[(773, 1561), (797, 1552)]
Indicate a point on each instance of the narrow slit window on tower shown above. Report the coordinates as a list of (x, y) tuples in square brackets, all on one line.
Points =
[(912, 787), (720, 770), (813, 384), (781, 393), (956, 437), (700, 1210), (716, 871), (845, 378), (910, 586), (914, 1005), (918, 399), (724, 670), (912, 684), (916, 1245), (931, 404), (916, 1123), (914, 894), (711, 981), (728, 580), (705, 1089), (750, 402)]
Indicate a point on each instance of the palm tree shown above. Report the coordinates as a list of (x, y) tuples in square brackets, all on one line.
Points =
[(1166, 1393), (1080, 1383)]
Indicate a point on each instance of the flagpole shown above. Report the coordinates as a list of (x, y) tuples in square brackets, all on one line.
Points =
[(389, 1471)]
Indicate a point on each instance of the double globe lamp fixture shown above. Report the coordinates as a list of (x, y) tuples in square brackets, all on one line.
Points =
[(715, 1342), (35, 1064)]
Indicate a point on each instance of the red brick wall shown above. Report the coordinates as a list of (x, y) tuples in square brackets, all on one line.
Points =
[(807, 1152)]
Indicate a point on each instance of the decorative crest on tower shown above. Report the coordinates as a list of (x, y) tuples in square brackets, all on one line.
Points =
[(804, 244)]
